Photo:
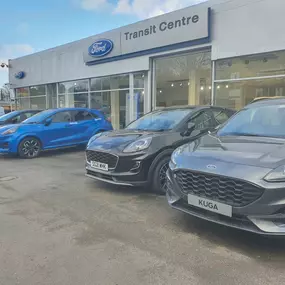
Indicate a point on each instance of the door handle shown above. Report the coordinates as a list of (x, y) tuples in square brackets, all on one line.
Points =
[(69, 125)]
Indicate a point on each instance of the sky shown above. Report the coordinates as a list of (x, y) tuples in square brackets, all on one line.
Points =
[(33, 25)]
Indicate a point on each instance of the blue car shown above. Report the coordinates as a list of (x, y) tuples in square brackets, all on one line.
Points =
[(52, 129), (17, 117)]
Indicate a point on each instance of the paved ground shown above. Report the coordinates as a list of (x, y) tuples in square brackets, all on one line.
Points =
[(59, 228)]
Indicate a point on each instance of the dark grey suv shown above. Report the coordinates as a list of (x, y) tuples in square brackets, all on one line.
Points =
[(235, 176)]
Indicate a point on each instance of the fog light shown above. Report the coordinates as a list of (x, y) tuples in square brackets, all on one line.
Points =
[(5, 145), (136, 166)]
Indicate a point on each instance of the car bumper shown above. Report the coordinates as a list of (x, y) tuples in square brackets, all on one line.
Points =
[(265, 216), (123, 179), (131, 170), (4, 151), (6, 145)]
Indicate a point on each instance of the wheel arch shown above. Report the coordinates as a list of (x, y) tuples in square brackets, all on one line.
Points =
[(29, 136), (163, 153)]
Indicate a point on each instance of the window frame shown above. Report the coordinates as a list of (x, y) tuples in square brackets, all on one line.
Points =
[(91, 114), (198, 113), (52, 122), (219, 110)]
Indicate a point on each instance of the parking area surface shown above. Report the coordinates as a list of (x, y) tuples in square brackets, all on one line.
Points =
[(58, 227)]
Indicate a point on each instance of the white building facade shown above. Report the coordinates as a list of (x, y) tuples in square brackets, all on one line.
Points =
[(220, 52)]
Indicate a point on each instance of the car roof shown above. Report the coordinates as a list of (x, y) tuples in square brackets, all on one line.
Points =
[(266, 97), (29, 110), (267, 101), (71, 109), (194, 107)]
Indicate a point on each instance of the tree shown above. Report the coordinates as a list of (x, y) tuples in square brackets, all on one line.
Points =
[(5, 93)]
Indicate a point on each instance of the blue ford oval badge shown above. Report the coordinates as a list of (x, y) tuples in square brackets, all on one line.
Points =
[(20, 75), (101, 48), (211, 166)]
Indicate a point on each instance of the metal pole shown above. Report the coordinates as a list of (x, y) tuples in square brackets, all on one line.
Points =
[(213, 84)]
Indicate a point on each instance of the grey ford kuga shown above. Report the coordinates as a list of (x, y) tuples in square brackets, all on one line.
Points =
[(235, 176)]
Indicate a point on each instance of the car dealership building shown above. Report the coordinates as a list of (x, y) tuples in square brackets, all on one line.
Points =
[(220, 52)]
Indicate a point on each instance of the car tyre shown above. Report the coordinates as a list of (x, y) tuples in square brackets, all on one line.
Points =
[(29, 147), (159, 176)]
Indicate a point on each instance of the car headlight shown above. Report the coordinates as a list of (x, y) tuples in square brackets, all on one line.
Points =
[(10, 131), (94, 138), (172, 163), (276, 175), (138, 145)]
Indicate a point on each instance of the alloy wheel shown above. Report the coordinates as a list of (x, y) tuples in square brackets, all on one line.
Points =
[(162, 177), (31, 148)]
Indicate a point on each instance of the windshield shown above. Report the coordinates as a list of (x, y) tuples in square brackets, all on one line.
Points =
[(263, 121), (161, 120), (8, 116), (39, 117)]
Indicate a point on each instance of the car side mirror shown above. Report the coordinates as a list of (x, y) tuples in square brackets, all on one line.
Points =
[(189, 130), (48, 121), (191, 127)]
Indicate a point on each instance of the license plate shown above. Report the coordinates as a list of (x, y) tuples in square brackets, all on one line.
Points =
[(210, 205), (99, 165)]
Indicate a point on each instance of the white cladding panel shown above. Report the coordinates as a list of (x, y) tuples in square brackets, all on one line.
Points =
[(244, 27), (56, 66)]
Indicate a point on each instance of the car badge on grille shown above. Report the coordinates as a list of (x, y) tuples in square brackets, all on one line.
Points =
[(211, 166)]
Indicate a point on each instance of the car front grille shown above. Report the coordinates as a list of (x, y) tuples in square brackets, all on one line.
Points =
[(230, 191), (102, 157)]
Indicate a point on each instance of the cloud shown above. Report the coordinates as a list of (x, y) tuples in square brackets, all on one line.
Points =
[(11, 51), (95, 4), (140, 8), (23, 28)]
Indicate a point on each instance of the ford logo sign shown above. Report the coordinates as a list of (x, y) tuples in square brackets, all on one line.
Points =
[(20, 75), (101, 48), (211, 166)]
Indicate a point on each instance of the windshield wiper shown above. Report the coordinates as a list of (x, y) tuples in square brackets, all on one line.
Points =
[(242, 135)]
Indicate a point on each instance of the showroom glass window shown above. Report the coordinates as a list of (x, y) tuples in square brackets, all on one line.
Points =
[(33, 97), (240, 80), (111, 95), (51, 95), (73, 94), (139, 94), (183, 80)]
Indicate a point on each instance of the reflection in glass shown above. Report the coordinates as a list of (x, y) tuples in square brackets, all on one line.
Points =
[(51, 95), (100, 100), (23, 103), (161, 120), (138, 103), (73, 100), (112, 98), (251, 66), (73, 87), (22, 92), (31, 98), (38, 102), (263, 121), (236, 95), (139, 80), (110, 83), (183, 80), (38, 90)]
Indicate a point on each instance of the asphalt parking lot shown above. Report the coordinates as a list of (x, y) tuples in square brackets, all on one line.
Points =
[(58, 227)]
